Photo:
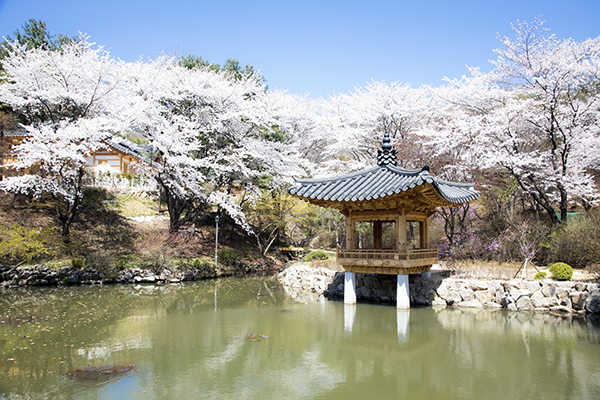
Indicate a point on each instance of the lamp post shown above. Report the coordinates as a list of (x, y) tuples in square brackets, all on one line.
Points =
[(216, 240)]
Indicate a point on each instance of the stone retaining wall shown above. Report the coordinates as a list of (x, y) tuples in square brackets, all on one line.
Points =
[(42, 275), (440, 291)]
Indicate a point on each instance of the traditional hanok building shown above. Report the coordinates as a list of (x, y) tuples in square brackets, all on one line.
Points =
[(385, 194), (7, 155), (114, 156)]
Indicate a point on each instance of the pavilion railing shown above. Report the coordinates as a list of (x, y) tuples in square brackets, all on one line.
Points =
[(381, 254)]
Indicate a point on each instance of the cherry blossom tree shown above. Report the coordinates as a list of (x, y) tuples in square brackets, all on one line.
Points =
[(63, 100), (209, 132), (535, 117), (351, 126)]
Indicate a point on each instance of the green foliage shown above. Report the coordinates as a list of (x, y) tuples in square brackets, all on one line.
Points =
[(35, 35), (77, 263), (19, 244), (316, 255), (232, 68), (540, 275), (561, 271), (203, 264), (229, 256), (578, 243)]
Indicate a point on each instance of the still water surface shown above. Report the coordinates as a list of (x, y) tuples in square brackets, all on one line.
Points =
[(247, 339)]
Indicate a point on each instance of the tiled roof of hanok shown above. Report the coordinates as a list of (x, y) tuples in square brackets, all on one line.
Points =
[(381, 181), (140, 152), (378, 182), (17, 133)]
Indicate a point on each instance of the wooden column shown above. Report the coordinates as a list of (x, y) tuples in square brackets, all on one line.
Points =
[(424, 242), (350, 231), (424, 234), (377, 235), (401, 232)]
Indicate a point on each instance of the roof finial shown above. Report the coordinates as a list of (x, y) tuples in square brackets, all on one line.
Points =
[(387, 145), (386, 155)]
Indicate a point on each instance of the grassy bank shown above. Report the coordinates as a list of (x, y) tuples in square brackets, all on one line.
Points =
[(117, 230)]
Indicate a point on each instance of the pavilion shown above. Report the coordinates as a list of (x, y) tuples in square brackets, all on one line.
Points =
[(392, 196)]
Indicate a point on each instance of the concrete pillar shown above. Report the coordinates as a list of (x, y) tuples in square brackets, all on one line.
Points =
[(426, 274), (402, 318), (402, 293), (349, 288)]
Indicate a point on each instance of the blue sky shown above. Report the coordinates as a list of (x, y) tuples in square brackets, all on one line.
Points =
[(311, 47)]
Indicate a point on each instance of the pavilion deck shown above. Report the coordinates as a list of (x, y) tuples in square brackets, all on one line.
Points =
[(387, 261)]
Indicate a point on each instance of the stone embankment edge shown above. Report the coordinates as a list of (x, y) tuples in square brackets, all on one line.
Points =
[(42, 275), (304, 283)]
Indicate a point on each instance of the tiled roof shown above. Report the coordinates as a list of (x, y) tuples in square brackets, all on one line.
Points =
[(379, 182), (131, 149), (17, 133)]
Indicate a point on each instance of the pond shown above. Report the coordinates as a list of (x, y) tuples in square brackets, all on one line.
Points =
[(247, 339)]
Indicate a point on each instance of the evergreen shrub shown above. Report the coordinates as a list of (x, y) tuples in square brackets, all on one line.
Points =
[(316, 255), (561, 271), (229, 256), (540, 275), (77, 263), (18, 244)]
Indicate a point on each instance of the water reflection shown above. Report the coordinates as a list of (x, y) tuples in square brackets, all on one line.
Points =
[(249, 339), (402, 318), (349, 314)]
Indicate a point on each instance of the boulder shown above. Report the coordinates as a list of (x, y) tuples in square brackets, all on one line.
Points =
[(592, 302), (438, 302), (445, 288), (466, 294), (578, 300), (518, 293), (472, 303), (453, 297), (538, 300), (548, 289), (484, 296), (476, 285), (492, 305), (524, 304), (532, 286)]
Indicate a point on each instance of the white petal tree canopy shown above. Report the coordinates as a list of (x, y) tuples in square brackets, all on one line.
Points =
[(533, 118), (64, 99), (206, 129)]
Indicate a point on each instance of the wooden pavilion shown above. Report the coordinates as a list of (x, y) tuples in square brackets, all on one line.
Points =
[(385, 194)]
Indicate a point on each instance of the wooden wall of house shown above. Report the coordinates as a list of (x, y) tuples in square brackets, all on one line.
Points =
[(117, 162)]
